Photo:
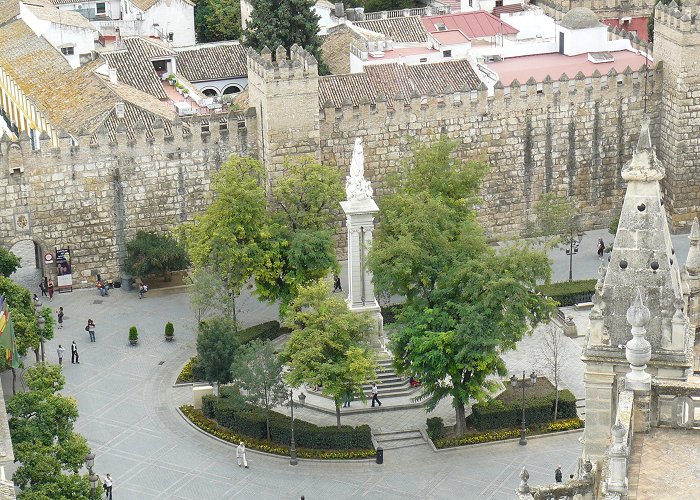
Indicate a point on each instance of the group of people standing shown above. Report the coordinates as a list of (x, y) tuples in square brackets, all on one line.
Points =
[(47, 288)]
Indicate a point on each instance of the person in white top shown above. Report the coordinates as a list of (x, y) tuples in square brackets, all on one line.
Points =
[(375, 395), (108, 487), (240, 455)]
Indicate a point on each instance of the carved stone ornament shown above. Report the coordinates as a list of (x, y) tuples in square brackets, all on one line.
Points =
[(356, 186)]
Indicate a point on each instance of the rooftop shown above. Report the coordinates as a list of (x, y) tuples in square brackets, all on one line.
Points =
[(400, 29), (450, 37), (554, 64), (62, 17), (211, 61), (636, 24), (402, 52), (392, 79), (477, 24)]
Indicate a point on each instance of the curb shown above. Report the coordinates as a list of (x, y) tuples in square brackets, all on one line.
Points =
[(509, 440), (273, 455)]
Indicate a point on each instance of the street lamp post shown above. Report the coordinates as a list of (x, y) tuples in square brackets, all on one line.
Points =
[(293, 447), (514, 384), (89, 463), (573, 248)]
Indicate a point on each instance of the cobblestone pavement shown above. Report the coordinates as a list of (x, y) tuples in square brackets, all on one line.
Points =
[(127, 413)]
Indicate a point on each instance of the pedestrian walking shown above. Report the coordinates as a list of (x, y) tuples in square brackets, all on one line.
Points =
[(74, 353), (90, 328), (60, 317), (143, 288), (43, 288), (60, 352), (557, 474), (240, 455), (375, 395), (601, 247), (336, 284), (109, 482), (348, 399), (50, 287)]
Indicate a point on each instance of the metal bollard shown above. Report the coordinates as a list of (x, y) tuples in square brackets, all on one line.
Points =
[(380, 455)]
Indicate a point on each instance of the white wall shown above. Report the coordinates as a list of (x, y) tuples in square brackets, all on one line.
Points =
[(175, 16), (220, 85), (112, 7), (583, 41), (61, 35), (246, 11)]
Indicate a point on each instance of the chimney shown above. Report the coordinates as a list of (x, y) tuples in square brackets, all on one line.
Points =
[(339, 10), (112, 72)]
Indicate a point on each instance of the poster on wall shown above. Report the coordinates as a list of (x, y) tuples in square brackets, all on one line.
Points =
[(63, 270)]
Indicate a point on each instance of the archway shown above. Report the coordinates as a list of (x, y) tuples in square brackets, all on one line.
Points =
[(232, 89), (31, 260), (210, 92)]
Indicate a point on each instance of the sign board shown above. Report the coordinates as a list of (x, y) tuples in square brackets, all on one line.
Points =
[(64, 270), (48, 258)]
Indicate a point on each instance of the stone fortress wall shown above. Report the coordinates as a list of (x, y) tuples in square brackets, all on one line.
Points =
[(569, 135), (95, 197)]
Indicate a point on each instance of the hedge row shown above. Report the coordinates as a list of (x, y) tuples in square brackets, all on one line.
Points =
[(486, 437), (496, 414), (269, 330), (211, 427), (569, 293), (246, 419)]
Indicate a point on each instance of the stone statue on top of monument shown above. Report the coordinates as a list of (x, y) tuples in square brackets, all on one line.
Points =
[(357, 188)]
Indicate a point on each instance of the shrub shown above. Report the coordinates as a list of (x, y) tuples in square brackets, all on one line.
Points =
[(569, 293), (199, 419), (496, 414), (133, 334), (436, 428), (187, 374), (169, 329), (240, 417), (501, 434), (269, 330)]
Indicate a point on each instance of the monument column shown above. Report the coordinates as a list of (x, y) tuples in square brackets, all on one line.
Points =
[(359, 210)]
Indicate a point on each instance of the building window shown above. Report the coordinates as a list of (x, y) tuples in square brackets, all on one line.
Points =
[(210, 92), (446, 53), (424, 59), (440, 26), (499, 3), (232, 89), (470, 3), (101, 8), (67, 51), (171, 35)]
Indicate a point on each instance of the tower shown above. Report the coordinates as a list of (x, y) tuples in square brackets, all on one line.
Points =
[(643, 262), (676, 45), (284, 94)]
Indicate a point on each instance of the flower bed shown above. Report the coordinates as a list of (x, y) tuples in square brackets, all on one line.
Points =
[(186, 374), (500, 435), (211, 427)]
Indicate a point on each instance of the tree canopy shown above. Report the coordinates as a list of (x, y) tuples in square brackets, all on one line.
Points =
[(50, 452), (258, 371), (217, 344), (9, 262), (275, 23), (555, 219), (217, 20), (466, 303), (328, 346), (151, 253)]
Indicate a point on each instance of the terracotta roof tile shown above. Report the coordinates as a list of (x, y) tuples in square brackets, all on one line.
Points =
[(477, 24), (400, 29), (69, 98), (134, 66), (212, 61), (392, 79)]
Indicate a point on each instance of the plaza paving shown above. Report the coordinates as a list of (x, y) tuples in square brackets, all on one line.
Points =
[(127, 412)]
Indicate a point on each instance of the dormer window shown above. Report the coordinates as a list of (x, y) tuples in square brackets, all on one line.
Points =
[(440, 27)]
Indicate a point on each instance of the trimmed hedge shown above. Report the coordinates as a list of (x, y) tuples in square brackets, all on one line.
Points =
[(436, 428), (269, 330), (496, 414), (500, 435), (211, 427), (249, 420), (569, 293)]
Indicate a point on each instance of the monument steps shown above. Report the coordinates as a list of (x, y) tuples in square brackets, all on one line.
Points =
[(399, 439)]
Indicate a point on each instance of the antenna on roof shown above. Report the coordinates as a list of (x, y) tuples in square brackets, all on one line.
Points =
[(646, 78)]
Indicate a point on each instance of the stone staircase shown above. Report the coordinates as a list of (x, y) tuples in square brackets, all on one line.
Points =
[(388, 382), (399, 439)]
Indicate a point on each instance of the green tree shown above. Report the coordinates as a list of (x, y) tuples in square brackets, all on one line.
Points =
[(151, 253), (217, 344), (554, 217), (306, 203), (275, 23), (217, 20), (41, 426), (466, 304), (328, 346), (208, 294), (231, 237), (258, 371), (9, 262)]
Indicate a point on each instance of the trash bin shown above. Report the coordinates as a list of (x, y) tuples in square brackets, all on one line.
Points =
[(380, 455)]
